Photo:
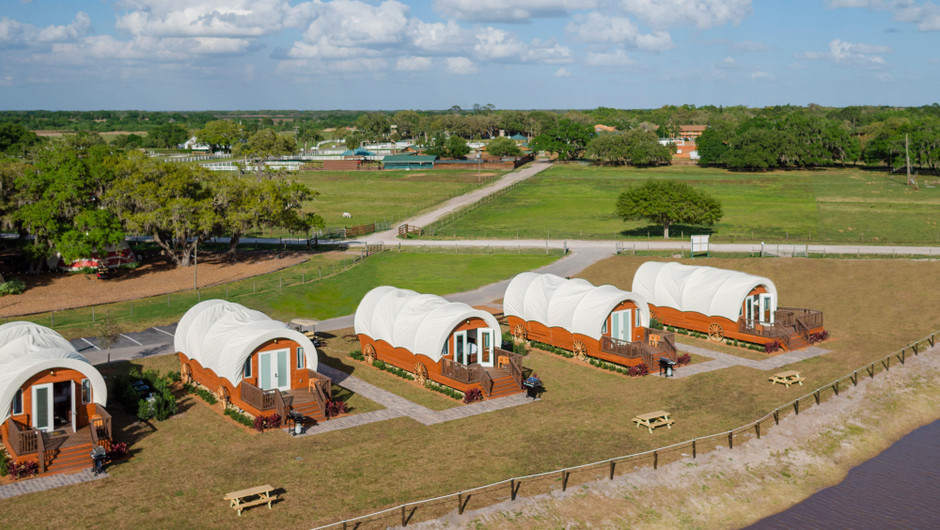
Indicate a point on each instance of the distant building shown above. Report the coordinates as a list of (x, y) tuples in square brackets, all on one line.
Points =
[(599, 128), (691, 132), (194, 145), (409, 161)]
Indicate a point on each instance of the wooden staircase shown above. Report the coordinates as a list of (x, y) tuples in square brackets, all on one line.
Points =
[(309, 408), (67, 458), (504, 386)]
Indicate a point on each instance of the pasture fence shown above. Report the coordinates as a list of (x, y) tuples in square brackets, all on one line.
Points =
[(563, 478), (436, 227)]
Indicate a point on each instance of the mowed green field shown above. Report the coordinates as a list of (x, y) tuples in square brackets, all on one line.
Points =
[(181, 468), (384, 196), (832, 205)]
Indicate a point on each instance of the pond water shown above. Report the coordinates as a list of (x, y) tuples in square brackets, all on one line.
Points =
[(899, 488)]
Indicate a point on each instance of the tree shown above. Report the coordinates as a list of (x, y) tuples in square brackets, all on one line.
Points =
[(503, 146), (373, 125), (457, 147), (265, 144), (171, 202), (15, 139), (665, 202), (168, 135), (108, 332), (568, 139), (222, 134), (635, 147)]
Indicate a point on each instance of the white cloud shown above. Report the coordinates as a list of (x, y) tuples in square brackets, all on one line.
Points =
[(926, 15), (762, 76), (17, 33), (562, 72), (509, 10), (202, 18), (438, 37), (547, 53), (598, 27), (616, 58), (492, 43), (460, 66), (352, 23), (413, 64), (79, 27), (867, 55), (702, 14)]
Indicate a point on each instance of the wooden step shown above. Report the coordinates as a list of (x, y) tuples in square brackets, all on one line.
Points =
[(311, 410)]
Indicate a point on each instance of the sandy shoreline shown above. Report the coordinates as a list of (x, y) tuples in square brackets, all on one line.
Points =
[(733, 488)]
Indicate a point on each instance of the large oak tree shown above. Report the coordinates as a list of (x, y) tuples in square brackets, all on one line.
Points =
[(665, 202)]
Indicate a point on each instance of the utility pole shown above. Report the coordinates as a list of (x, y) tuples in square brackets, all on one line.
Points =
[(196, 266), (907, 159)]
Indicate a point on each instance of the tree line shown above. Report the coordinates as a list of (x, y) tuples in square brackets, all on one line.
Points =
[(78, 196)]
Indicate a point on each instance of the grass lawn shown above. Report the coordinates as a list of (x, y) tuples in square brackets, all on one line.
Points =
[(318, 288), (384, 196), (832, 205), (182, 467)]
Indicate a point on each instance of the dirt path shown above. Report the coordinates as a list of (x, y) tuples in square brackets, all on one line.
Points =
[(56, 291)]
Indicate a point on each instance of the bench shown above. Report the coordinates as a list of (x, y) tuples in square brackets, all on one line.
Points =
[(786, 378), (653, 420), (239, 499)]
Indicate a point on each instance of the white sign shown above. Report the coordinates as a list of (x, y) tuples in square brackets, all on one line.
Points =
[(699, 244)]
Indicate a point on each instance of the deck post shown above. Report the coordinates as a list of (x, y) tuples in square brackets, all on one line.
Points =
[(655, 459), (693, 447), (612, 464)]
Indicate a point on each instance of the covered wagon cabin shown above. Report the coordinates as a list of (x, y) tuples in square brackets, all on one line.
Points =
[(251, 361), (51, 400), (603, 322), (725, 304), (450, 343)]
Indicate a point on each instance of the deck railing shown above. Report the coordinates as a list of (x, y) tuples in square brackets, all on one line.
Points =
[(486, 382), (459, 372), (257, 398), (100, 426), (787, 320), (515, 363), (22, 438), (321, 387), (664, 344)]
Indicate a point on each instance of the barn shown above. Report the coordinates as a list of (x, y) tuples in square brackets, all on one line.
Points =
[(725, 304), (52, 400), (409, 161), (251, 361), (592, 321), (450, 343)]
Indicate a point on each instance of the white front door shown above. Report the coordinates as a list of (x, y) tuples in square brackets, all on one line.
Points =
[(620, 325), (274, 370), (460, 347), (485, 340), (766, 309), (42, 407)]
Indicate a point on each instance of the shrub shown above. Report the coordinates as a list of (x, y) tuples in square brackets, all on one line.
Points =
[(819, 336), (772, 346), (335, 407), (609, 366), (404, 374), (473, 395), (446, 390), (14, 286), (553, 349), (267, 422), (684, 359), (206, 396), (357, 355), (4, 462), (655, 324), (239, 417), (24, 470), (118, 450), (639, 370)]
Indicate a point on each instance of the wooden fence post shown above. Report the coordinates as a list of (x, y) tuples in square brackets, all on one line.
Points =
[(796, 407), (612, 464), (855, 378), (757, 429), (730, 439), (404, 521), (512, 489), (693, 447), (835, 387), (564, 479), (655, 459), (460, 503), (816, 395), (776, 416)]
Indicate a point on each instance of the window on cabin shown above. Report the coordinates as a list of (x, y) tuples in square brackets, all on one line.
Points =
[(86, 391), (246, 371), (18, 401), (444, 350), (604, 328), (301, 362)]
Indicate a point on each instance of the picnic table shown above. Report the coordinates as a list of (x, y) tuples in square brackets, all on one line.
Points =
[(653, 420), (239, 499), (788, 378)]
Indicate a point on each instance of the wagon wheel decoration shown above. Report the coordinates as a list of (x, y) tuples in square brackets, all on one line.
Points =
[(580, 350), (224, 396), (715, 332), (518, 333), (421, 373), (369, 353), (186, 374)]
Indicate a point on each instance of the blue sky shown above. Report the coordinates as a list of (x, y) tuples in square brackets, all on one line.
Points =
[(432, 54)]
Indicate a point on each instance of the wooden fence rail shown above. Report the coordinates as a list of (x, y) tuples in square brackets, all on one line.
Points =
[(508, 489)]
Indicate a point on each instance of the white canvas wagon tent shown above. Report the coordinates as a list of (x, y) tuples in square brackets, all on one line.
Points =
[(425, 334), (597, 321), (241, 354)]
